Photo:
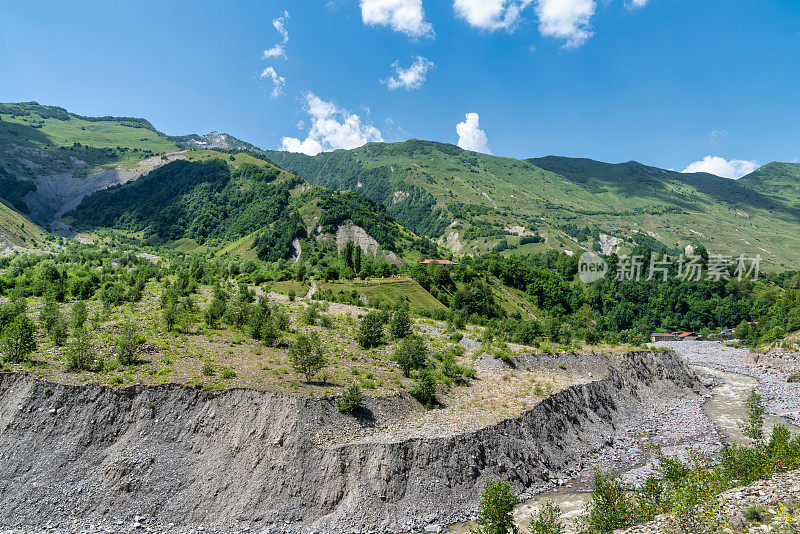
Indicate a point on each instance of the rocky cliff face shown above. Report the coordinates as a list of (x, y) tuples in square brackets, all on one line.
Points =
[(348, 231), (254, 459), (56, 194)]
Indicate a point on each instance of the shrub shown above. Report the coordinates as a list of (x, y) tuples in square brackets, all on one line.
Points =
[(351, 399), (10, 311), (216, 310), (400, 323), (370, 331), (128, 343), (49, 314), (495, 511), (424, 389), (269, 332), (170, 316), (755, 514), (411, 354), (547, 520), (753, 427), (692, 500), (208, 368), (18, 339), (310, 314), (228, 373), (610, 508), (307, 355), (529, 332), (281, 318), (259, 316), (78, 315), (58, 331), (80, 353), (238, 312), (452, 371)]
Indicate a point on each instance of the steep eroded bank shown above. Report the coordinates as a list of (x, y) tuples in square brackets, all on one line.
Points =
[(250, 459)]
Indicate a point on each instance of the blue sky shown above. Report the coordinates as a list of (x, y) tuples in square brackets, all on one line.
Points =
[(664, 82)]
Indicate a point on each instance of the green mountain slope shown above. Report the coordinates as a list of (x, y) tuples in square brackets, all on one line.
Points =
[(52, 158), (211, 199), (17, 231), (777, 179), (469, 202), (472, 202)]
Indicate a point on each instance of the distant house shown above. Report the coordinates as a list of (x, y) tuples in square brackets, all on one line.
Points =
[(727, 334), (689, 336), (440, 262), (662, 337)]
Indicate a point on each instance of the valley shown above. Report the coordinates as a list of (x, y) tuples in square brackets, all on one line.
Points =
[(200, 335)]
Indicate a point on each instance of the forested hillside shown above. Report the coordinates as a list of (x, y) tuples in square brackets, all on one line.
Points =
[(213, 198), (476, 202)]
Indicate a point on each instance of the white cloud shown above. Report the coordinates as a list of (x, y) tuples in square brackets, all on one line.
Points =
[(411, 78), (406, 16), (717, 136), (470, 136), (735, 168), (637, 3), (566, 19), (490, 14), (331, 128), (278, 82), (279, 50)]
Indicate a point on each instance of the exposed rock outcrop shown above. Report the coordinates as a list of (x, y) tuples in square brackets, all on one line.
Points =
[(56, 194), (349, 231)]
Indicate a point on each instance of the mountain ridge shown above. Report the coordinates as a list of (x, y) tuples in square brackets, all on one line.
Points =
[(467, 201)]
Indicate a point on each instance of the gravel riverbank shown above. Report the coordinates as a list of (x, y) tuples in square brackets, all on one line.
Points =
[(781, 398)]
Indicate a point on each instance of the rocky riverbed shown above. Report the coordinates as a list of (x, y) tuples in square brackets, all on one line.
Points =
[(781, 397), (675, 425)]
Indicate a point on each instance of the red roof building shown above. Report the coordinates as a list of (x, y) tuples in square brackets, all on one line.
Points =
[(440, 262)]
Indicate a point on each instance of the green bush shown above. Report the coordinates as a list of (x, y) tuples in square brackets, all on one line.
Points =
[(80, 353), (547, 520), (370, 331), (217, 308), (128, 343), (78, 315), (495, 510), (611, 506), (228, 373), (310, 314), (49, 315), (424, 388), (307, 355), (411, 354), (58, 332), (18, 339), (350, 400), (400, 323), (753, 427)]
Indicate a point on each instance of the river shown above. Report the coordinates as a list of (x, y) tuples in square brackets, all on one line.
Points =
[(726, 408)]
